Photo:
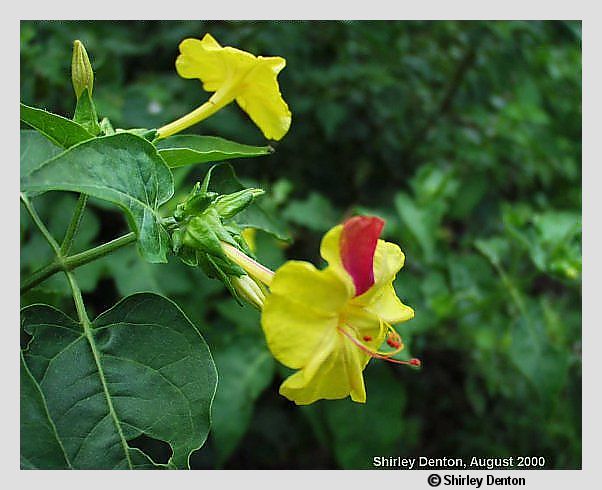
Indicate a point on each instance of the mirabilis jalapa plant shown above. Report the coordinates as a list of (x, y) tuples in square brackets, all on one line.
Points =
[(142, 367)]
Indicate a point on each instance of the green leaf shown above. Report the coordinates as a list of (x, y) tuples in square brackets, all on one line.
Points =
[(494, 249), (123, 169), (40, 444), (420, 222), (543, 364), (245, 368), (315, 213), (35, 149), (58, 129), (144, 369), (132, 275), (182, 150)]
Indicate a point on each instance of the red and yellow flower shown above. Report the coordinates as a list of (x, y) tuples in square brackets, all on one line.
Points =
[(327, 324)]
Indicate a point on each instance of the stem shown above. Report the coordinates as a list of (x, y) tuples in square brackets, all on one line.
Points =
[(78, 214), (75, 261), (252, 267), (81, 313), (41, 226), (39, 276), (87, 326)]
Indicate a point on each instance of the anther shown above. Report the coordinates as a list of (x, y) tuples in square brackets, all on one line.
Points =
[(415, 362), (393, 340), (367, 338), (393, 343)]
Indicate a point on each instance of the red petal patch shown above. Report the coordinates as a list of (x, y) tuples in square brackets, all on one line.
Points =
[(358, 243)]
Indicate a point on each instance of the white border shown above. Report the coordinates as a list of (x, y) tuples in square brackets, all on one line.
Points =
[(258, 9)]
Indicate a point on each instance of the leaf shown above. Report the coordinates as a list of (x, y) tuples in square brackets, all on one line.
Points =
[(315, 213), (543, 364), (421, 223), (58, 129), (123, 169), (40, 445), (245, 368), (144, 369), (222, 179), (494, 249), (35, 149), (132, 275), (182, 150)]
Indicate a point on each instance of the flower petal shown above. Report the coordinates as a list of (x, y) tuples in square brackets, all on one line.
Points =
[(261, 98), (330, 251), (388, 260), (357, 246), (214, 65), (301, 312), (335, 373), (389, 307)]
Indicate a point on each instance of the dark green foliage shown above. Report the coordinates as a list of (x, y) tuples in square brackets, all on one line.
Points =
[(143, 366), (464, 136)]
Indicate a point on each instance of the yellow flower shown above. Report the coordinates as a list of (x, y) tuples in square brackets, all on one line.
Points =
[(233, 75), (329, 323)]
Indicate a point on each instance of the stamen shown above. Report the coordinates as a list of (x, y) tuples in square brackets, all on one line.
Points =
[(394, 340), (385, 356)]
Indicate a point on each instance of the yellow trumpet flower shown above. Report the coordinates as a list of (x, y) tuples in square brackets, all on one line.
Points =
[(329, 323), (233, 74)]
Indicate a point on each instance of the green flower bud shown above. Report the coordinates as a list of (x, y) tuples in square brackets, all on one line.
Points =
[(228, 205), (249, 290), (82, 75)]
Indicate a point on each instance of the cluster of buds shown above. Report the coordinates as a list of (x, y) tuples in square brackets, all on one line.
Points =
[(205, 230)]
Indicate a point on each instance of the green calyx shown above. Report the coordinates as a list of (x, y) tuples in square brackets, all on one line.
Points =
[(205, 221)]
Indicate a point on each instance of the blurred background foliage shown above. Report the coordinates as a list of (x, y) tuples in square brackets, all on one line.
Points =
[(464, 136)]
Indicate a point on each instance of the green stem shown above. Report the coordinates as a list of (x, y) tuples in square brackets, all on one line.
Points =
[(78, 214), (75, 261), (79, 306), (41, 226), (87, 326), (39, 276)]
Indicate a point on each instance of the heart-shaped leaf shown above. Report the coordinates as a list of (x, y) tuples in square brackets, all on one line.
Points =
[(35, 149), (182, 150), (143, 369), (40, 444), (122, 168), (58, 129)]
